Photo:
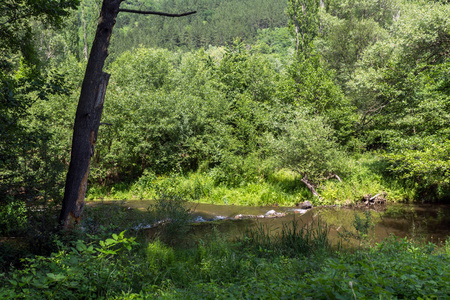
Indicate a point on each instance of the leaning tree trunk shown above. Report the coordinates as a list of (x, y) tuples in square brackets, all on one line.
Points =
[(89, 112), (87, 120)]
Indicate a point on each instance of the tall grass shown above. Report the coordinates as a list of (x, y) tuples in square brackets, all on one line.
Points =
[(293, 240), (364, 175)]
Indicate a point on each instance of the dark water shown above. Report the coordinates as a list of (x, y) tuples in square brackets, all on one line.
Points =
[(424, 222)]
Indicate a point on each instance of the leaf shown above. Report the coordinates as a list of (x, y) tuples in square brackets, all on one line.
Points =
[(108, 251), (56, 277), (81, 247), (110, 241)]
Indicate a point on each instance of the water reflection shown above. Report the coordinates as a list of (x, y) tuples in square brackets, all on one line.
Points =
[(426, 222)]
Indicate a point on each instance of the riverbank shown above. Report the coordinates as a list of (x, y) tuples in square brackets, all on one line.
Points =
[(262, 258), (295, 264), (281, 188)]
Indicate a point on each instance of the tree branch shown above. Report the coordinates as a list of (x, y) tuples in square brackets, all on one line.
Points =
[(156, 13), (310, 186)]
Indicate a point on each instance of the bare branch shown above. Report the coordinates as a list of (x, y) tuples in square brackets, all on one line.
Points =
[(310, 186), (333, 176), (156, 13)]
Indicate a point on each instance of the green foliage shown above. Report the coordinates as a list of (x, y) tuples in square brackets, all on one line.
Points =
[(425, 163), (304, 22), (310, 84), (243, 73), (402, 95), (176, 113), (240, 124), (84, 270), (16, 19), (29, 163), (276, 41), (348, 28), (13, 217), (308, 147), (216, 23), (398, 85)]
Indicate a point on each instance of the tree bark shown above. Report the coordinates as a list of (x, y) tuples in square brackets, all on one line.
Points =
[(87, 119), (89, 112)]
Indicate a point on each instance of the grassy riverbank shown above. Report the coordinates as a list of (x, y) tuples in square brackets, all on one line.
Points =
[(294, 264), (363, 175)]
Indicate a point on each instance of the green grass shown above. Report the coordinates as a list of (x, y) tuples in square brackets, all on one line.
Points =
[(364, 175)]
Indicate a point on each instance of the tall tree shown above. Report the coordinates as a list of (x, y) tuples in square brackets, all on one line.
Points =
[(304, 18), (89, 111)]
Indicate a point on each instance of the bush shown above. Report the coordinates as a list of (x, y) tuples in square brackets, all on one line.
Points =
[(84, 271), (13, 217)]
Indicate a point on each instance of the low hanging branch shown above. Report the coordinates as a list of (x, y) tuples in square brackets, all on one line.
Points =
[(89, 112), (156, 13)]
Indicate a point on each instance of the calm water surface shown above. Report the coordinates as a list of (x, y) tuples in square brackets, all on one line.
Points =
[(427, 222)]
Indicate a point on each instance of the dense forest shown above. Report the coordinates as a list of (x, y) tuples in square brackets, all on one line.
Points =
[(255, 102)]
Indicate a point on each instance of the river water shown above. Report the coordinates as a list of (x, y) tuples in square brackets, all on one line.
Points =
[(427, 222)]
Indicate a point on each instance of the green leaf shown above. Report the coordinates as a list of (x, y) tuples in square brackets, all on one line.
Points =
[(56, 277), (110, 242)]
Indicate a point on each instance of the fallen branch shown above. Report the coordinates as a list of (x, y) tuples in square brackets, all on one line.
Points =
[(334, 176), (310, 186)]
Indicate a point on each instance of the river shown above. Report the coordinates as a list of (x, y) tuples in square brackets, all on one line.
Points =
[(427, 222)]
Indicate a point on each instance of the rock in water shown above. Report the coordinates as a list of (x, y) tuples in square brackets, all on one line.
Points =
[(306, 205)]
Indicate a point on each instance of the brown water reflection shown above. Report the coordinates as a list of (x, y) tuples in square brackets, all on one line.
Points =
[(426, 222)]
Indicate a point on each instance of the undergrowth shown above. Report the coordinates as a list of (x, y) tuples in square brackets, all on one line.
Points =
[(296, 263), (282, 187)]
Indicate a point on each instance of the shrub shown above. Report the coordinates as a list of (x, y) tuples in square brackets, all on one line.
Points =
[(13, 217), (84, 271)]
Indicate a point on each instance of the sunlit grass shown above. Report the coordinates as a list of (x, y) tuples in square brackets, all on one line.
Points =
[(364, 176)]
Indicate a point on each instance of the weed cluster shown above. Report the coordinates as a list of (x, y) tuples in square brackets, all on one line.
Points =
[(293, 240)]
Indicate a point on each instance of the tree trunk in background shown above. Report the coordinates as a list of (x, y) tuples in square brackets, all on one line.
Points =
[(88, 115), (85, 50)]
